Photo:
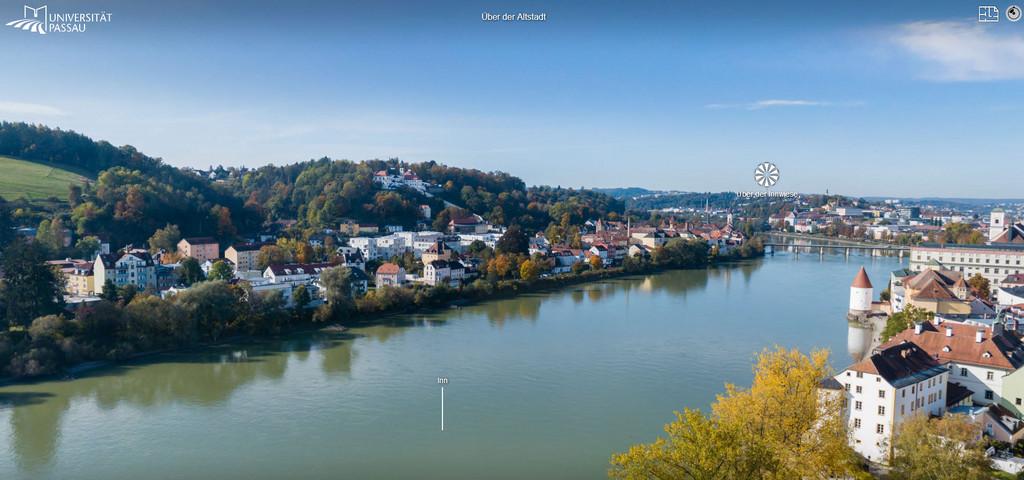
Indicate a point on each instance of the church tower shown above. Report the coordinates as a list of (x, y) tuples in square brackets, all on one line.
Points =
[(997, 222)]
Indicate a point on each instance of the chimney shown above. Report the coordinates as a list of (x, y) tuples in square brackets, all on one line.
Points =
[(949, 331), (978, 337), (917, 328)]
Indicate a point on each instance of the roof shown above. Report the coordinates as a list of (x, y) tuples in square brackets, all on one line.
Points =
[(1004, 351), (388, 269), (446, 264), (1016, 248), (901, 364), (249, 246), (1012, 234), (861, 280), (301, 268), (830, 383), (470, 220), (199, 240), (956, 393)]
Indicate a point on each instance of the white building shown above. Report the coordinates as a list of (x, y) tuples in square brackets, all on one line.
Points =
[(994, 262), (980, 358), (886, 388), (135, 267), (443, 272)]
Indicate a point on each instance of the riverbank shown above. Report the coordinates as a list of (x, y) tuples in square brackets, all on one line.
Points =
[(212, 312)]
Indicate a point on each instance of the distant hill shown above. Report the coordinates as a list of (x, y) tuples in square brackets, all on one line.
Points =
[(622, 193), (34, 181)]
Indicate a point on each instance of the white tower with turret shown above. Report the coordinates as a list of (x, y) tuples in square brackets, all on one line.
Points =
[(997, 222), (861, 293)]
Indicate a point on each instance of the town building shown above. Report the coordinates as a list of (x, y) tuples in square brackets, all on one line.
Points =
[(861, 295), (994, 262), (243, 256), (199, 248), (885, 389), (134, 267), (390, 275), (438, 251), (444, 272), (984, 359), (353, 229), (468, 224)]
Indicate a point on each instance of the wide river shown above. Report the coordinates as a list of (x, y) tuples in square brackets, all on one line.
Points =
[(541, 386)]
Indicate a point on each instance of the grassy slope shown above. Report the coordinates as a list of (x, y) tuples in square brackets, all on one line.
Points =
[(34, 181)]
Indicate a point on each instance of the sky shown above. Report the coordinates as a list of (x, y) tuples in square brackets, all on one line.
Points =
[(910, 99)]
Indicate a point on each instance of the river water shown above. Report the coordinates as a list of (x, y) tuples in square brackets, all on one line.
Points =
[(540, 386)]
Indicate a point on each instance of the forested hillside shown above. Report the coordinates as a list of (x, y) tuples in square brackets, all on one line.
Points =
[(135, 194)]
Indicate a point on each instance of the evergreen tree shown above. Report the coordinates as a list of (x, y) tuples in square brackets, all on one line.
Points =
[(31, 288)]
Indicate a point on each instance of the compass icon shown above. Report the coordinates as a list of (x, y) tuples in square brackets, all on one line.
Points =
[(766, 174)]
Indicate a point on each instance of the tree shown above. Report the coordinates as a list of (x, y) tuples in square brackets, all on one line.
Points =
[(949, 447), (190, 272), (901, 321), (225, 227), (980, 285), (7, 233), (501, 266), (529, 270), (165, 239), (109, 292), (30, 287), (213, 305), (272, 255), (220, 270), (301, 299), (88, 247), (595, 262), (514, 240), (336, 283), (782, 427)]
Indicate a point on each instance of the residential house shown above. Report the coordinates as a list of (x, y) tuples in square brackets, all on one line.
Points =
[(438, 251), (885, 389), (390, 274), (134, 267), (353, 260), (984, 359), (243, 256), (199, 248), (444, 272), (468, 224)]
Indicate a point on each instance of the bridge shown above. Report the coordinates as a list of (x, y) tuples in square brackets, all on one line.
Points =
[(899, 250)]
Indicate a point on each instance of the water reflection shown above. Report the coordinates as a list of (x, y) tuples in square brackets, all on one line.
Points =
[(207, 378)]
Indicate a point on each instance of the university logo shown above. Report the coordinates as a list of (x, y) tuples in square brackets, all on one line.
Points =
[(36, 23), (42, 21)]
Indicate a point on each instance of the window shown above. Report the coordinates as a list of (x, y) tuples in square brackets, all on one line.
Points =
[(990, 375), (1017, 401), (860, 374), (881, 410), (857, 405), (901, 410), (880, 428), (963, 372), (878, 379), (858, 389), (856, 423), (847, 387), (881, 394), (988, 394)]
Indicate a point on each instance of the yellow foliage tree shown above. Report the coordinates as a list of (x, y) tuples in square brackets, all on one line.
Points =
[(784, 426), (944, 448)]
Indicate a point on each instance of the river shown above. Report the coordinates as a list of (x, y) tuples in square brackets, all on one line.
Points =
[(541, 386)]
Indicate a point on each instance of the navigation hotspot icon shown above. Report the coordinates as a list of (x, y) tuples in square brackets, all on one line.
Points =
[(766, 174)]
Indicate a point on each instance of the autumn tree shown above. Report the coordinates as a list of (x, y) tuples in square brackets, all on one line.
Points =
[(220, 270), (514, 240), (783, 426), (165, 238), (949, 447), (980, 285), (272, 255), (595, 262), (529, 270)]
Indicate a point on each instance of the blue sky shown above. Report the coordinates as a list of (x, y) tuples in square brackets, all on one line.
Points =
[(914, 99)]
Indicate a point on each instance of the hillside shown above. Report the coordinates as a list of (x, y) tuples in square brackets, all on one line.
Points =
[(34, 181)]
